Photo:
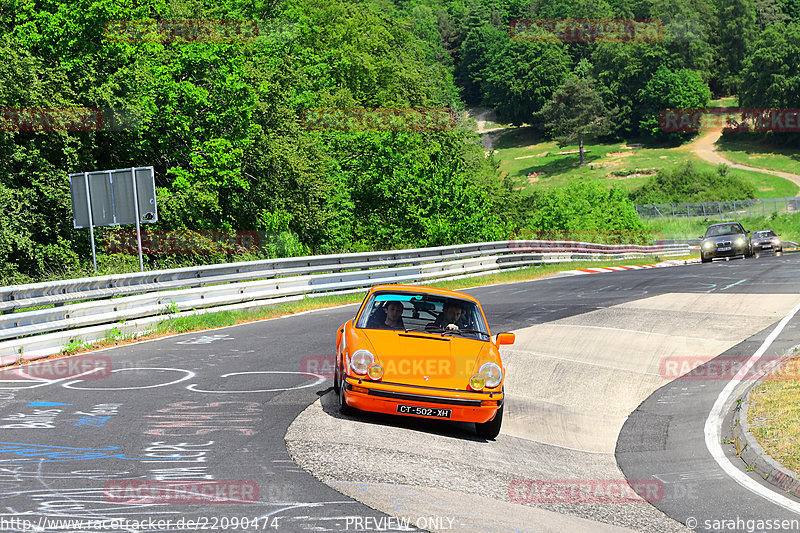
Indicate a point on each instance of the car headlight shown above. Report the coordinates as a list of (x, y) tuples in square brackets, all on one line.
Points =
[(375, 371), (740, 242), (361, 360), (708, 244), (493, 374), (776, 242), (477, 382)]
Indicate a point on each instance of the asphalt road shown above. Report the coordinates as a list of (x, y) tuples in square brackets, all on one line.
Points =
[(214, 407), (664, 438)]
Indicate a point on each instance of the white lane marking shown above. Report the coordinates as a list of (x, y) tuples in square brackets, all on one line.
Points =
[(319, 381), (189, 375), (43, 382), (713, 427)]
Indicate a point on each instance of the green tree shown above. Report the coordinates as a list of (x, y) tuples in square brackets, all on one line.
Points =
[(576, 111), (583, 205), (737, 30), (769, 75), (624, 68), (523, 77), (668, 89)]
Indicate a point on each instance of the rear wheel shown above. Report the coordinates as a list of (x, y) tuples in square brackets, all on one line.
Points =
[(491, 429)]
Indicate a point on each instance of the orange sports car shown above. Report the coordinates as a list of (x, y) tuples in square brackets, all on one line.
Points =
[(421, 351)]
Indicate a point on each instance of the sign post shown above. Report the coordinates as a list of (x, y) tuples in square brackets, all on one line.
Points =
[(114, 198), (91, 226), (138, 229)]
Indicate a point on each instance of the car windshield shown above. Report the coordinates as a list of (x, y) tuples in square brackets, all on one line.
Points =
[(425, 313), (765, 234), (723, 229)]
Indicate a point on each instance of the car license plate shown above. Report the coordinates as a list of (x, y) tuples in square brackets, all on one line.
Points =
[(724, 249), (423, 411), (766, 246)]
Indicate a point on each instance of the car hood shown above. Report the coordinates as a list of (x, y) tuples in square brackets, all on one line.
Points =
[(721, 238), (427, 360)]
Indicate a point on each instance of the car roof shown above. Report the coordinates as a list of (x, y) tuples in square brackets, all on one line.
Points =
[(723, 224), (423, 289)]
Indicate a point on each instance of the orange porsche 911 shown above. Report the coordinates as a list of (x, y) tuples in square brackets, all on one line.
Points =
[(424, 352)]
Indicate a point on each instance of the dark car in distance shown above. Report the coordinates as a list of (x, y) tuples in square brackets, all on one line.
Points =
[(766, 240), (728, 239)]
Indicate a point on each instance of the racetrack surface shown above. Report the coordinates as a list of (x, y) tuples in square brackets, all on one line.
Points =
[(219, 404)]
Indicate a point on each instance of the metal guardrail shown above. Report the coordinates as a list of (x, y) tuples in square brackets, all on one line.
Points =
[(132, 301)]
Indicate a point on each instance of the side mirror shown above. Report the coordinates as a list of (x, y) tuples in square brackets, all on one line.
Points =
[(701, 237), (505, 338), (747, 231)]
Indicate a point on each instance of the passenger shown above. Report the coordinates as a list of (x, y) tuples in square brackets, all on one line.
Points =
[(390, 316)]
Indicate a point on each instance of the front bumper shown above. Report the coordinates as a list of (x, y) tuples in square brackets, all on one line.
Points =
[(379, 397), (733, 252), (762, 247)]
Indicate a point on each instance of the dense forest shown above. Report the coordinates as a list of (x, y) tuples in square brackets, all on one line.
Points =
[(220, 121)]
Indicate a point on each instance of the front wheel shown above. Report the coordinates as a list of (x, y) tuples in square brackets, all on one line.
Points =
[(705, 259), (491, 429), (343, 407)]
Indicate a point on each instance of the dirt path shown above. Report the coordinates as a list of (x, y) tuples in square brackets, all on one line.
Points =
[(703, 146), (489, 135)]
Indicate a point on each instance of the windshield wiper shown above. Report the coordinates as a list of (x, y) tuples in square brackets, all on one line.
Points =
[(426, 330), (463, 331)]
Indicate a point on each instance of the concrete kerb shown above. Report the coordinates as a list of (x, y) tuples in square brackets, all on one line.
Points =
[(751, 452)]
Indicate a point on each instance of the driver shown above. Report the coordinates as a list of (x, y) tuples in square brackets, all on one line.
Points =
[(449, 317)]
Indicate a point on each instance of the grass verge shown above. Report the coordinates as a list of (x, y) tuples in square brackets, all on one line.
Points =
[(787, 224), (760, 154), (211, 320), (773, 416)]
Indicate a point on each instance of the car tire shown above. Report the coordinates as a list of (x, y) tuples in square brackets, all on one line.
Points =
[(336, 380), (491, 429), (343, 407), (705, 259)]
